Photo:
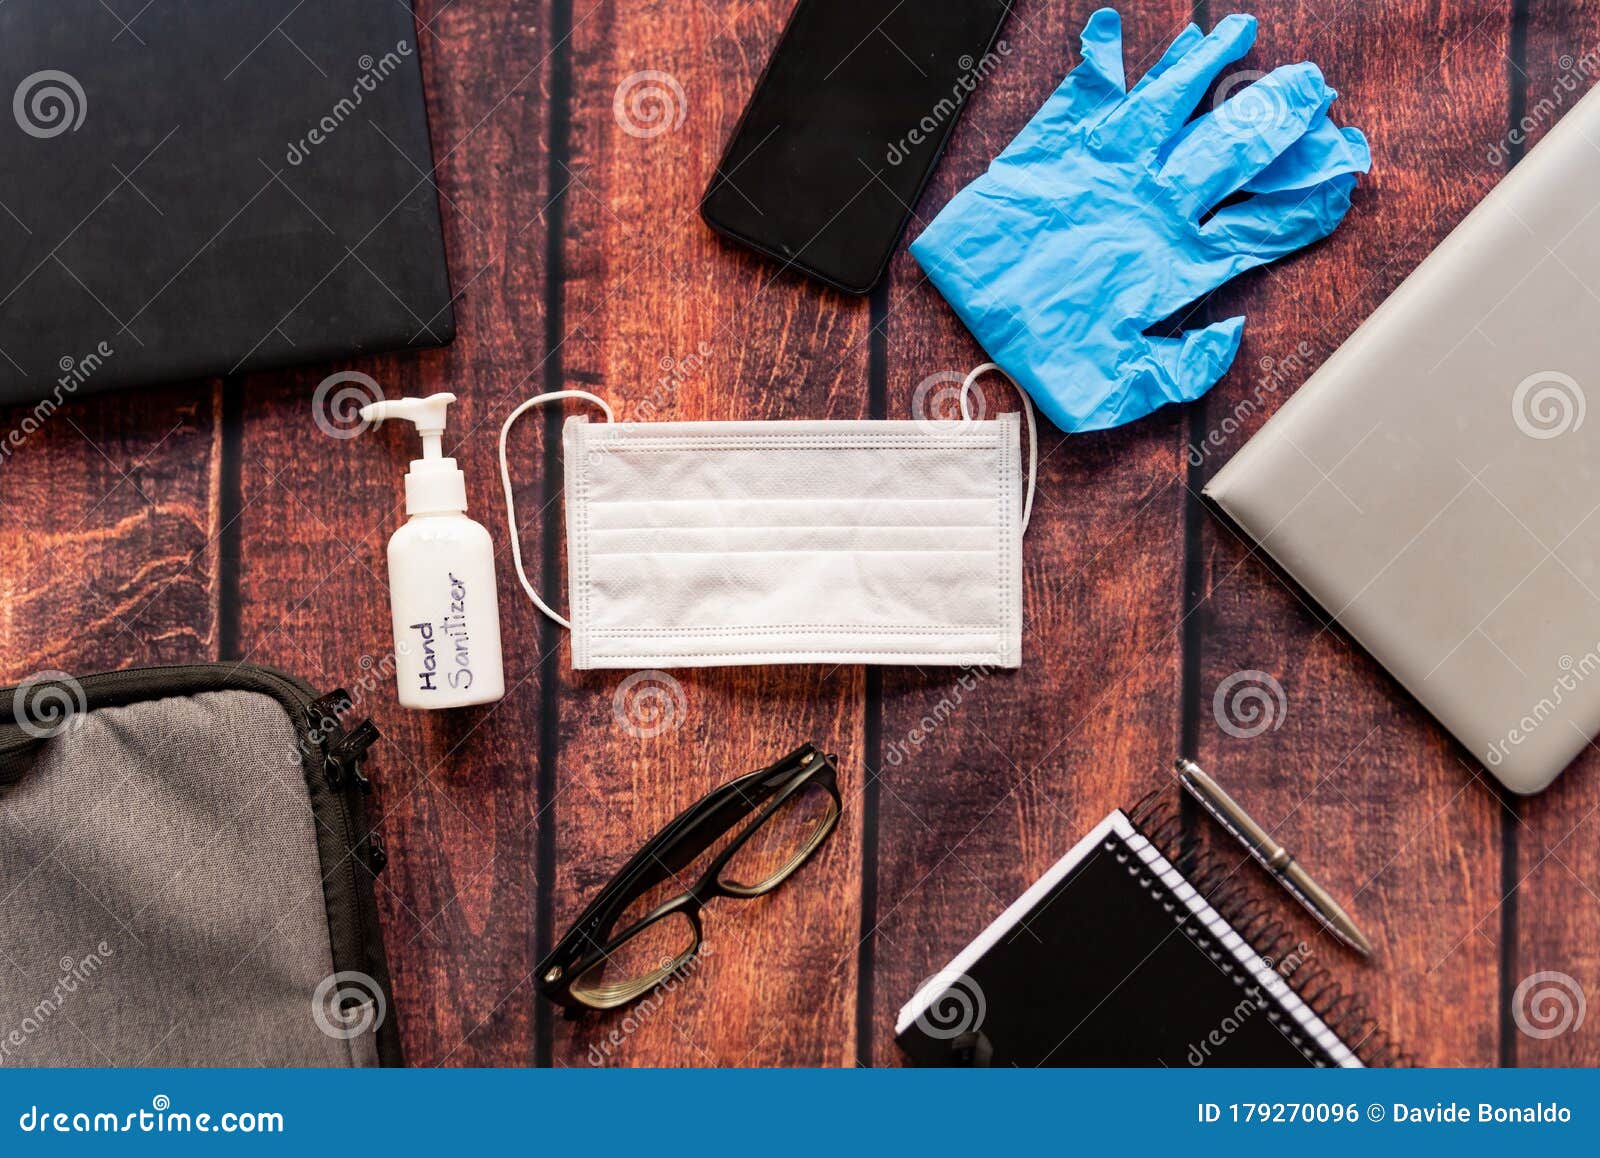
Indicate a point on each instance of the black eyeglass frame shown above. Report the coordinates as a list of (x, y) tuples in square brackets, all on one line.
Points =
[(751, 798)]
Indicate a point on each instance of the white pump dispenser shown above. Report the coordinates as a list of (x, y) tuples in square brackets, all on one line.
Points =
[(441, 576)]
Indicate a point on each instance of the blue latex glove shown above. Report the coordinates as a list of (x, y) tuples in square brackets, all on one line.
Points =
[(1087, 230)]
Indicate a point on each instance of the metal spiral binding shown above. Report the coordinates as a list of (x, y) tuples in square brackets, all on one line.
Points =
[(1158, 819)]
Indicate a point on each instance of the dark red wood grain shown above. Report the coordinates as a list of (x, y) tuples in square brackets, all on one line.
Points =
[(110, 520), (659, 310), (456, 791), (1018, 765)]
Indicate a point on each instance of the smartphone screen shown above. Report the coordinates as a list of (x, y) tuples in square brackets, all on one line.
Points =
[(845, 126)]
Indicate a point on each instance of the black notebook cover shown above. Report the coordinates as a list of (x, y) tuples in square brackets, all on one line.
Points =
[(204, 187), (1114, 959)]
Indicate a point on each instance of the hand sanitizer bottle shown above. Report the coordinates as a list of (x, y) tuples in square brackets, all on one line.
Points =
[(441, 576)]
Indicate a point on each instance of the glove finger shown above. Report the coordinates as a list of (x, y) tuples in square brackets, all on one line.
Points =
[(1176, 51), (1160, 371), (1243, 236), (1189, 365), (1166, 103), (1325, 151), (1268, 226), (1223, 150), (1095, 86)]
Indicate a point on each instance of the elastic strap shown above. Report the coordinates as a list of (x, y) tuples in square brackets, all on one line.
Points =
[(1033, 429), (511, 504)]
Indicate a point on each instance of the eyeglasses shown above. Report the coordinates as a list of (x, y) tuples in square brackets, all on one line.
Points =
[(645, 925)]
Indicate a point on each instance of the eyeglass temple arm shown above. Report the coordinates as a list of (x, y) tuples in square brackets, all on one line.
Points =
[(709, 819)]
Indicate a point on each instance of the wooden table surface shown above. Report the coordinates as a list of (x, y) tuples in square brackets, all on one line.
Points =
[(209, 521)]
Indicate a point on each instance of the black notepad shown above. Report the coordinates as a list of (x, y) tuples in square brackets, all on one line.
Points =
[(1113, 958), (204, 188)]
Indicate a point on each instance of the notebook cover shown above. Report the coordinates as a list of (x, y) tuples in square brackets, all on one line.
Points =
[(204, 188), (1114, 959), (1434, 486)]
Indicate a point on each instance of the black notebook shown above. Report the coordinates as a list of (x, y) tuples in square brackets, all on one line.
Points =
[(1115, 958), (211, 187)]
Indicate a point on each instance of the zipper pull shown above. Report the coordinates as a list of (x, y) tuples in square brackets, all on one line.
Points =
[(345, 753), (322, 713)]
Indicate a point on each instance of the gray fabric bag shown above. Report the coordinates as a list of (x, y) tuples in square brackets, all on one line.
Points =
[(186, 874)]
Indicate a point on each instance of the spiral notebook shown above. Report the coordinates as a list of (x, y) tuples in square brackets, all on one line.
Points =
[(1116, 958)]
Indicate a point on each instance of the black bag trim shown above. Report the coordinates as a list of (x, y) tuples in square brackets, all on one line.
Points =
[(337, 800)]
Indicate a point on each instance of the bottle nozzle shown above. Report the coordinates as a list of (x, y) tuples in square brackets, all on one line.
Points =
[(434, 484), (428, 415)]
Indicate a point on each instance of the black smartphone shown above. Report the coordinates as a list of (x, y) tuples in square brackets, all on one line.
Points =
[(844, 128)]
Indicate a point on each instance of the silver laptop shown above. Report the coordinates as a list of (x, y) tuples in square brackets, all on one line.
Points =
[(1436, 485)]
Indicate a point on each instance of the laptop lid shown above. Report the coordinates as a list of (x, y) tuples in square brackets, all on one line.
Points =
[(202, 187), (1436, 485)]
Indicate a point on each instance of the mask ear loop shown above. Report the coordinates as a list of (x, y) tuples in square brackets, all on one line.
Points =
[(1033, 429), (511, 505)]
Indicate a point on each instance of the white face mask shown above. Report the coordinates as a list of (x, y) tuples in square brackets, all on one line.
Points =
[(705, 544)]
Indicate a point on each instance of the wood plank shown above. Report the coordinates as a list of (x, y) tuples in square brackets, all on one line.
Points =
[(1557, 905), (109, 531), (1352, 774), (456, 790), (973, 809), (658, 309), (108, 503)]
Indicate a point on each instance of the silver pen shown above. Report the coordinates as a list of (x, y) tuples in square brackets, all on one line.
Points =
[(1271, 855)]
